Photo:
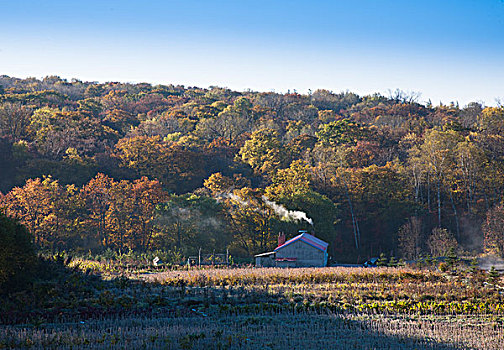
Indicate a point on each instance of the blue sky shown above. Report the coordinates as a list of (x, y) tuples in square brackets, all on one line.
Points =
[(447, 50)]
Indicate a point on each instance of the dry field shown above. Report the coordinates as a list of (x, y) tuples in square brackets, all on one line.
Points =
[(273, 330), (326, 308)]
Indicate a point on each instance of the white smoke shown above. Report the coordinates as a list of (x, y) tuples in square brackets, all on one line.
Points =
[(285, 214), (235, 198)]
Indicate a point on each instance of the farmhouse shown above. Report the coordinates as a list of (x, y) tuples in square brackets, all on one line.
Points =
[(304, 250)]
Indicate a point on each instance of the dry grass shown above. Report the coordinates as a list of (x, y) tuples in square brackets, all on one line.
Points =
[(326, 308), (298, 275), (395, 290)]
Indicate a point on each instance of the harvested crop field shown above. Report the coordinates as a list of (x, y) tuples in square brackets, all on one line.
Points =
[(323, 308), (269, 330)]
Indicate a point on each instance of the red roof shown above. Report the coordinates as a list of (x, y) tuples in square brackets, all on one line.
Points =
[(308, 239)]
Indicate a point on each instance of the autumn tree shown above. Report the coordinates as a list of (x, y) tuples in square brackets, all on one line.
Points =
[(219, 184), (471, 162), (290, 181), (252, 222), (34, 205), (232, 122), (263, 151), (333, 176), (56, 131), (162, 126), (97, 195), (376, 159), (14, 120), (120, 121), (378, 200), (178, 168), (342, 131), (437, 158), (132, 212), (491, 120), (143, 154)]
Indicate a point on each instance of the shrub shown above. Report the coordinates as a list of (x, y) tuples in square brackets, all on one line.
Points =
[(17, 254), (443, 267)]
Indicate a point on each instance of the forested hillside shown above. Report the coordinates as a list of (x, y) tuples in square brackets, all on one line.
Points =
[(88, 166)]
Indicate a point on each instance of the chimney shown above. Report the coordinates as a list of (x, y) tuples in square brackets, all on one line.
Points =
[(281, 238)]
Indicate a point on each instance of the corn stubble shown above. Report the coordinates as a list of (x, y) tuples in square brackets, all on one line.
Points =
[(330, 308)]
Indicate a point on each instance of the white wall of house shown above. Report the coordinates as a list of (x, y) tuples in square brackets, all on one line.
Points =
[(305, 254)]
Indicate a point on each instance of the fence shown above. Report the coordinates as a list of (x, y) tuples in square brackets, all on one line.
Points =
[(209, 259)]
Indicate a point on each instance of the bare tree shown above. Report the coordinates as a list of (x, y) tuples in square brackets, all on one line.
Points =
[(401, 96), (441, 241), (410, 238)]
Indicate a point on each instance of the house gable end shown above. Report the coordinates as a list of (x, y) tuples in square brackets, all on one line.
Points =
[(308, 239)]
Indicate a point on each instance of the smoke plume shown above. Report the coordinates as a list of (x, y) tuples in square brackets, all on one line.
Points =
[(235, 198), (285, 214)]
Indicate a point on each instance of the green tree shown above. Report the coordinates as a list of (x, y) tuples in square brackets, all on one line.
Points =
[(493, 275)]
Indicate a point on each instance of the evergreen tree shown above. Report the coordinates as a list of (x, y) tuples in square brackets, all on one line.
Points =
[(392, 262), (493, 275), (451, 258), (382, 261), (474, 269)]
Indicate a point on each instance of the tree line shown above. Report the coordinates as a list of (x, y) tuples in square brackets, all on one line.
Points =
[(92, 166)]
